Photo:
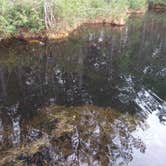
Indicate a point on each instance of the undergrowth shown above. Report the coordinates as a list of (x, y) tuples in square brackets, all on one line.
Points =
[(30, 15)]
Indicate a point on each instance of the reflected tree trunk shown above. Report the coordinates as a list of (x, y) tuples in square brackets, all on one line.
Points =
[(2, 83)]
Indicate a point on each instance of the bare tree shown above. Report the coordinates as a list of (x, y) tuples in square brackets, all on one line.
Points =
[(49, 14)]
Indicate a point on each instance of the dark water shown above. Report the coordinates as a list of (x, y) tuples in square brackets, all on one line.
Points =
[(96, 99)]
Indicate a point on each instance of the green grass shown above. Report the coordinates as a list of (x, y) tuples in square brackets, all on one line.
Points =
[(30, 13)]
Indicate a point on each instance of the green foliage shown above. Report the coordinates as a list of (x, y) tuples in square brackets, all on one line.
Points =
[(80, 8), (16, 14), (137, 4), (118, 8)]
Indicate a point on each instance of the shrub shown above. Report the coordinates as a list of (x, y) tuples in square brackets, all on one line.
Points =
[(137, 4), (32, 13), (14, 14)]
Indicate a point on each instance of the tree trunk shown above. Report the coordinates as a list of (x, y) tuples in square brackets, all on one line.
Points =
[(49, 18)]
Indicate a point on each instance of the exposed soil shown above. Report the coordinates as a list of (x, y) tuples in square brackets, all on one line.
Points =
[(41, 37), (158, 7)]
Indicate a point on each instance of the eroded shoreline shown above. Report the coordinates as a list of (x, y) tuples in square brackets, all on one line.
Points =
[(45, 35)]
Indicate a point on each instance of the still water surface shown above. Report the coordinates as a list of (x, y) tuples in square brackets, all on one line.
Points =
[(96, 99)]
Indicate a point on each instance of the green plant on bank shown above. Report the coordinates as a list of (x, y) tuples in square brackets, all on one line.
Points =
[(137, 4), (119, 8), (17, 14), (158, 2), (30, 15)]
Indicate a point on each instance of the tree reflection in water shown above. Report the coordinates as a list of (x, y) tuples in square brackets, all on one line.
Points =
[(109, 81), (94, 136)]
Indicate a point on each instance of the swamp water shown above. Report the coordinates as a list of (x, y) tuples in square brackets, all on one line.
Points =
[(96, 99)]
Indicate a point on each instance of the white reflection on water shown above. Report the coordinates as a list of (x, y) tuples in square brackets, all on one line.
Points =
[(154, 135)]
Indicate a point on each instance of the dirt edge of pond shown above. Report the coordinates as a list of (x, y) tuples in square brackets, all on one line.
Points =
[(158, 7), (44, 35), (66, 31)]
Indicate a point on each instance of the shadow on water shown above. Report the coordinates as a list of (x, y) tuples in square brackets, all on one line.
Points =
[(94, 99)]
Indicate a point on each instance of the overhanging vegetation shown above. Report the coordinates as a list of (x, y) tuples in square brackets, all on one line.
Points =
[(34, 15)]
